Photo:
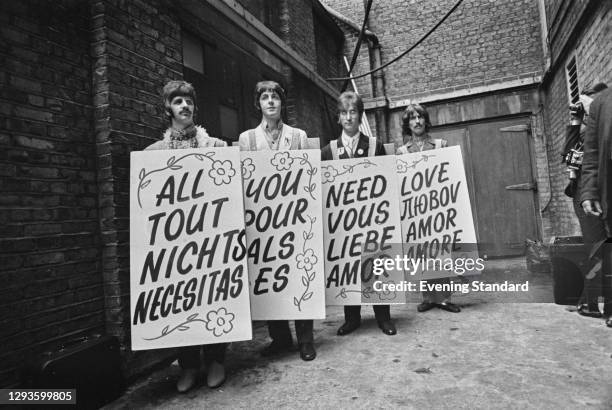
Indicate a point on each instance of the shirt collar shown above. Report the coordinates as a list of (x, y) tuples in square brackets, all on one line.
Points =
[(349, 141), (264, 125), (427, 140)]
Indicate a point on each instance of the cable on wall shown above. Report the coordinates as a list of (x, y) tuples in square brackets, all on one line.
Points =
[(402, 54)]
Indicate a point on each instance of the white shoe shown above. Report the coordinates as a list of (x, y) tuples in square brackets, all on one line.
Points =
[(187, 380), (216, 375)]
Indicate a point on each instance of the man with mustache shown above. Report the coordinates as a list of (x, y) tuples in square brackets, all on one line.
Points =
[(416, 125), (179, 107), (354, 144), (273, 135)]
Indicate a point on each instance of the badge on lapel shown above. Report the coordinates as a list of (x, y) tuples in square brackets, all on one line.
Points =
[(359, 151), (340, 151)]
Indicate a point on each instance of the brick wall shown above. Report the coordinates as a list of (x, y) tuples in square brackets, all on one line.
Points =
[(296, 27), (562, 21), (304, 26), (482, 42), (362, 65), (593, 50), (266, 11), (136, 48), (329, 47), (49, 241)]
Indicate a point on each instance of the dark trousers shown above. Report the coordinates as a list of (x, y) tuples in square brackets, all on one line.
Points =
[(280, 333), (593, 232), (437, 296), (607, 255), (189, 356), (607, 277), (352, 313)]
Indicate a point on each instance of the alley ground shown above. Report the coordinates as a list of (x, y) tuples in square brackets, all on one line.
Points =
[(492, 355)]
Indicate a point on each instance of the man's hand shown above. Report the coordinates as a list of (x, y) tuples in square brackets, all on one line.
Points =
[(591, 207), (576, 114)]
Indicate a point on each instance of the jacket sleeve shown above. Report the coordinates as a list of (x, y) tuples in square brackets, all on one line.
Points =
[(326, 153), (303, 140), (243, 141), (572, 136), (590, 161), (380, 149)]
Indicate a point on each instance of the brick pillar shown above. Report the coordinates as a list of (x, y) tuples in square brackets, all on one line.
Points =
[(136, 48)]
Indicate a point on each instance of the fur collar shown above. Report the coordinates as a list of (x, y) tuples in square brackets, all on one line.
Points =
[(201, 136)]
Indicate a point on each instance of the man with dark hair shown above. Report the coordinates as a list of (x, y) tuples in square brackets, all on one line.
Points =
[(354, 144), (272, 135), (179, 107), (596, 180), (416, 125)]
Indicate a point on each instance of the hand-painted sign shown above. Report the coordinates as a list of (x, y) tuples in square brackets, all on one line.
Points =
[(361, 221), (435, 209), (282, 197), (188, 273)]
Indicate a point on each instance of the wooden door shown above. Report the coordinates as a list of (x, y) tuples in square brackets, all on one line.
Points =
[(460, 137), (497, 155)]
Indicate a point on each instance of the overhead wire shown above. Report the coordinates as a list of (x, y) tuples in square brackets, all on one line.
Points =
[(423, 38), (358, 45)]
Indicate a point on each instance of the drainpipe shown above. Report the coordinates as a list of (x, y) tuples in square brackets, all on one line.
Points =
[(341, 17), (544, 34), (379, 104), (379, 98)]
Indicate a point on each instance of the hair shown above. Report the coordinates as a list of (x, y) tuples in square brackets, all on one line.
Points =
[(595, 89), (414, 109), (271, 86), (350, 98), (176, 88)]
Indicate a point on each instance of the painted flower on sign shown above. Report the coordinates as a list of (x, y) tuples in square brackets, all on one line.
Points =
[(247, 168), (306, 260), (402, 167), (220, 321), (222, 172), (387, 294), (328, 173), (282, 161)]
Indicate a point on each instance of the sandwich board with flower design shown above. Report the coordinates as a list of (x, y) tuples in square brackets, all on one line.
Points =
[(437, 222), (361, 223), (282, 199), (188, 270)]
